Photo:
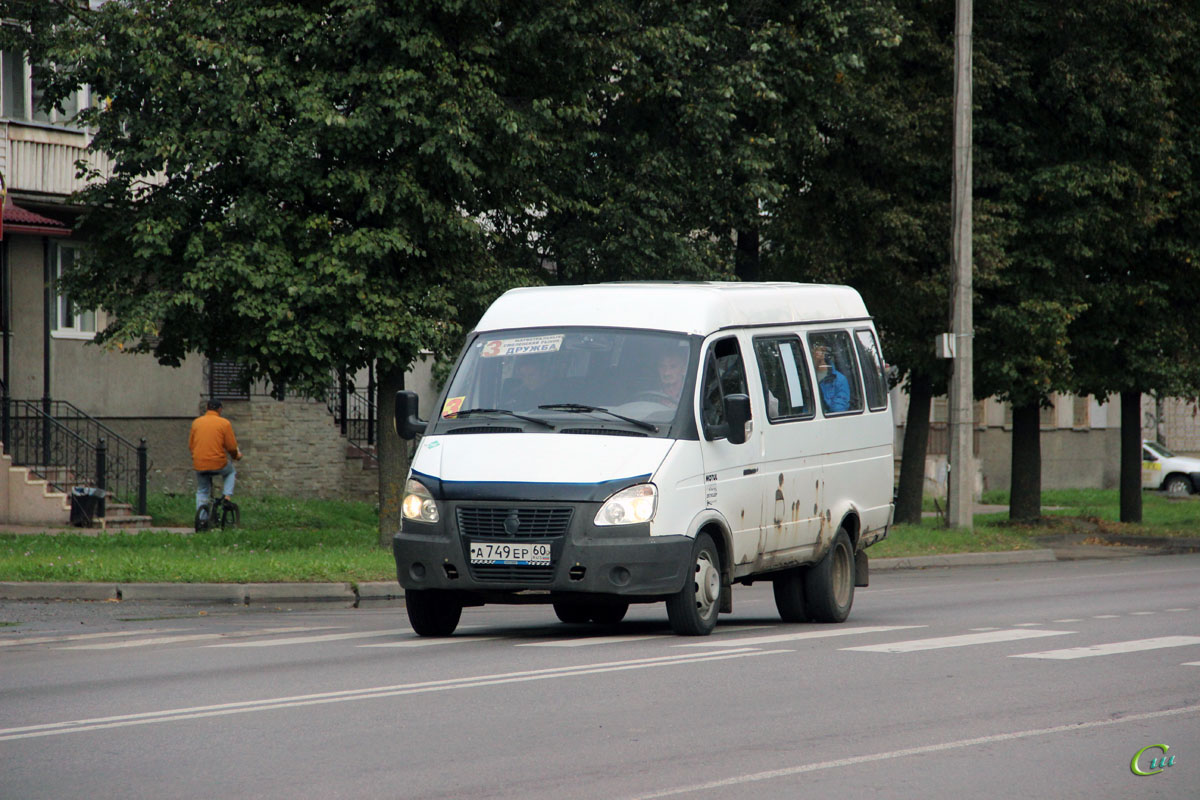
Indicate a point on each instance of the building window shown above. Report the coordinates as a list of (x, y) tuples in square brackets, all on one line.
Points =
[(21, 91), (69, 321)]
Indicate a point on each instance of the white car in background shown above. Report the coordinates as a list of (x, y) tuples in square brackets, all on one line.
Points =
[(1162, 469)]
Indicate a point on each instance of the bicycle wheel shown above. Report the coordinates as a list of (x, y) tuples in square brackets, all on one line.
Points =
[(230, 515), (203, 517)]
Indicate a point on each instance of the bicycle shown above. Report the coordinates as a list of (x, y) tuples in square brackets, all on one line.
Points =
[(217, 511)]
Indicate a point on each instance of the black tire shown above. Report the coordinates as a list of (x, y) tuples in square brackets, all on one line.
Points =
[(230, 515), (203, 518), (609, 613), (1177, 486), (829, 584), (432, 612), (693, 610), (573, 613), (789, 596)]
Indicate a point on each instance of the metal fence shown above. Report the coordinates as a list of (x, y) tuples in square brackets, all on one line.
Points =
[(61, 444)]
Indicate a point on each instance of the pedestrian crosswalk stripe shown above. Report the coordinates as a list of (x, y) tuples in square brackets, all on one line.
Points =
[(327, 637), (820, 633), (426, 642), (193, 637), (80, 637), (967, 639), (1113, 648)]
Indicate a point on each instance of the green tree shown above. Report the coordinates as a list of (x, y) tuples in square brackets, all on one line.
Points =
[(1076, 126), (1138, 334), (707, 115), (298, 186)]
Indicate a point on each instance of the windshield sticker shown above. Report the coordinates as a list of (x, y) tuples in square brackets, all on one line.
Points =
[(453, 404), (527, 345)]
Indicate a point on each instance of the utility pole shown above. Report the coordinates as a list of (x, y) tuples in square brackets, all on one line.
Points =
[(962, 419)]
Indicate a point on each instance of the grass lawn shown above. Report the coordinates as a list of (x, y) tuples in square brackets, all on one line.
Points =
[(282, 539), (1089, 511)]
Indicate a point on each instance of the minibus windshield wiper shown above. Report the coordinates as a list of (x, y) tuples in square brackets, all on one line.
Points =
[(577, 408), (466, 412)]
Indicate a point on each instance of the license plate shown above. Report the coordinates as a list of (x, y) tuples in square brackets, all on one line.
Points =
[(521, 554)]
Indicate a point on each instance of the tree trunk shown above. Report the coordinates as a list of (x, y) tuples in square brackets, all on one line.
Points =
[(393, 454), (911, 489), (1025, 496), (1131, 456), (746, 266)]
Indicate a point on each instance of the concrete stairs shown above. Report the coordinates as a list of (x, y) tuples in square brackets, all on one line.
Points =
[(26, 499), (29, 500)]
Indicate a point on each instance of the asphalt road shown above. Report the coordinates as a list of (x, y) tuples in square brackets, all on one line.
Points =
[(1031, 680)]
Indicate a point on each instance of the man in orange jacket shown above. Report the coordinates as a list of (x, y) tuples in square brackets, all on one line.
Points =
[(212, 443)]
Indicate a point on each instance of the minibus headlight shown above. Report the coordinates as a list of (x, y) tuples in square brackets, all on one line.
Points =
[(419, 503), (629, 506)]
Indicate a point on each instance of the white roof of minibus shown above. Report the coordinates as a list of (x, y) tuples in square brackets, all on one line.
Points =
[(694, 308)]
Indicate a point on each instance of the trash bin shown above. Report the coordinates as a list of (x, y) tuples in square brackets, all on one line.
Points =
[(87, 506)]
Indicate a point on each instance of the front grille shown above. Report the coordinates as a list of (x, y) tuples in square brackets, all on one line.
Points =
[(528, 524), (488, 522), (511, 572)]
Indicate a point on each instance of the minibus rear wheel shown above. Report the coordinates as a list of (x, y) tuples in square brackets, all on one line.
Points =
[(693, 610), (432, 612), (829, 584)]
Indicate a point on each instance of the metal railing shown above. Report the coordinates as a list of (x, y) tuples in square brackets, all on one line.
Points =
[(59, 443), (355, 411)]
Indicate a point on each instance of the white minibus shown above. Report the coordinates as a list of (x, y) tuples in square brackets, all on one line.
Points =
[(602, 445)]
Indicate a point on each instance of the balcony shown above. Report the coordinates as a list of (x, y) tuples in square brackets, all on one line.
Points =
[(40, 159)]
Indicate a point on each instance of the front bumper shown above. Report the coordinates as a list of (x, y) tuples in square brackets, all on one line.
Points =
[(617, 560)]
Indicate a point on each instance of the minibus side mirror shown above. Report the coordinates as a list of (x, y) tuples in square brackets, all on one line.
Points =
[(407, 424), (737, 413)]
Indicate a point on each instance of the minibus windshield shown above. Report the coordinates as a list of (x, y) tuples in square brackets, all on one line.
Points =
[(615, 378)]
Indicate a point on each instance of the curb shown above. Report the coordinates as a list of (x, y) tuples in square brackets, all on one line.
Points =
[(964, 560), (232, 593)]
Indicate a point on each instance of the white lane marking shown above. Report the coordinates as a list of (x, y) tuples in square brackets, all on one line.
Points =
[(823, 633), (325, 637), (1026, 624), (426, 642), (1143, 613), (964, 640), (82, 637), (1113, 648), (1191, 664), (786, 772), (1107, 616), (1176, 610), (423, 687), (1069, 619), (980, 630), (587, 641), (195, 637)]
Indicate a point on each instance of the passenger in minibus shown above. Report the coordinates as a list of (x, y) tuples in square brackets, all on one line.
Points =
[(835, 389)]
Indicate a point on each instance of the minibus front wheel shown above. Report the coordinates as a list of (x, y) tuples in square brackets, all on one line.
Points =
[(693, 610), (433, 612)]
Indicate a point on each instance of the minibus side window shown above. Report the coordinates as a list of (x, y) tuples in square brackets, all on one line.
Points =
[(724, 374), (787, 389), (874, 374), (837, 372)]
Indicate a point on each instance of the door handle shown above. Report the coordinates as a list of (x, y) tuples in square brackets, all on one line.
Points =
[(750, 470)]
